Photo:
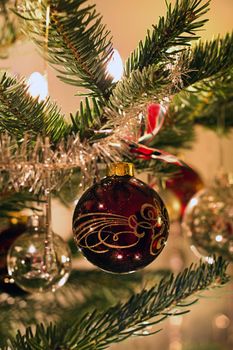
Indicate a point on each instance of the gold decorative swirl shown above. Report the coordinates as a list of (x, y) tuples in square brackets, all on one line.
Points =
[(101, 231)]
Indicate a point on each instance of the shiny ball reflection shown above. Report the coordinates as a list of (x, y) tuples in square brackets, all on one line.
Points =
[(120, 224), (28, 267), (208, 222)]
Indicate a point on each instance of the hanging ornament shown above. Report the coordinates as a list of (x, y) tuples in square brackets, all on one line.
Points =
[(150, 125), (172, 202), (170, 199), (153, 122), (10, 230), (120, 224), (29, 264), (147, 153), (185, 184), (208, 221)]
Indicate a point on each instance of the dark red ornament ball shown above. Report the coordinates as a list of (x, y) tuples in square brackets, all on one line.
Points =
[(120, 224)]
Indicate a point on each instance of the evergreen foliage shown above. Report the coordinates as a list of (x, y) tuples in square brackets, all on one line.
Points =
[(20, 113), (98, 330), (171, 35), (9, 31), (15, 202), (164, 65), (78, 45), (209, 59), (96, 289)]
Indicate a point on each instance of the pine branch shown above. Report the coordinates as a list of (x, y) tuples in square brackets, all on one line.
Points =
[(209, 103), (9, 29), (14, 202), (78, 45), (177, 131), (208, 60), (69, 301), (154, 82), (97, 330), (88, 118), (20, 113), (212, 106), (177, 29), (145, 85)]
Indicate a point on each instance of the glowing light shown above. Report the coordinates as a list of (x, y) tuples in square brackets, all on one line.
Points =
[(64, 259), (193, 202), (159, 221), (31, 249), (38, 86), (115, 66), (119, 256), (14, 221), (209, 260), (218, 238), (137, 256), (222, 321)]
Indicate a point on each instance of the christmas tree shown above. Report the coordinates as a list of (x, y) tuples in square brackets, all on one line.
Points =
[(167, 87)]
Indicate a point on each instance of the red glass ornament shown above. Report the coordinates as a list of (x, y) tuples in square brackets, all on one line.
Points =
[(120, 224), (153, 122), (185, 184)]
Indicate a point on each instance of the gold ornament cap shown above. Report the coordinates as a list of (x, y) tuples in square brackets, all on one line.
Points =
[(120, 169)]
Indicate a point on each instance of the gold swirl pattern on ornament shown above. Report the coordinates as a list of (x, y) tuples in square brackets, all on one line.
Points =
[(99, 229), (159, 239)]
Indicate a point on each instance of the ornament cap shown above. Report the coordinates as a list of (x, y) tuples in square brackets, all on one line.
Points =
[(120, 169)]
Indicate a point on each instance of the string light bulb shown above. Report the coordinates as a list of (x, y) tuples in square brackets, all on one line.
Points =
[(115, 66), (38, 86)]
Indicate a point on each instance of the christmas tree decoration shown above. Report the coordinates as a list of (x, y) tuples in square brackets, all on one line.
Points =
[(38, 86), (29, 164), (120, 224), (9, 27), (115, 66), (170, 199), (153, 121), (148, 153), (185, 184), (29, 264), (10, 230), (208, 221), (172, 202)]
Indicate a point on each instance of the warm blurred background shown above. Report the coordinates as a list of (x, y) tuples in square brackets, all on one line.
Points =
[(210, 324)]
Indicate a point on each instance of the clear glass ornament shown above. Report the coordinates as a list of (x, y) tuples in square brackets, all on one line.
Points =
[(35, 265), (208, 220)]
